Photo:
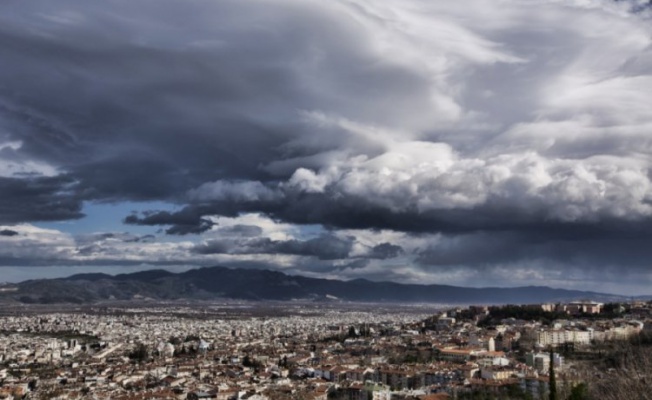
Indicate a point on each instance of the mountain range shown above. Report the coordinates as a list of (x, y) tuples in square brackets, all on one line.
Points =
[(251, 284)]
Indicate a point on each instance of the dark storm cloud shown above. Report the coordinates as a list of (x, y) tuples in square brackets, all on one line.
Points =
[(187, 221), (386, 250), (505, 129), (38, 199), (325, 247), (591, 247), (339, 211), (330, 210), (241, 230), (8, 232), (157, 110)]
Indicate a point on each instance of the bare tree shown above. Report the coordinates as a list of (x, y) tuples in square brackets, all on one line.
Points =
[(626, 374)]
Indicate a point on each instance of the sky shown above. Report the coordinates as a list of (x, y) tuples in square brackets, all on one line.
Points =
[(475, 143)]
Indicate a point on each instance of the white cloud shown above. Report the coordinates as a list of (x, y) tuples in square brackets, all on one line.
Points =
[(532, 107), (32, 242), (269, 228)]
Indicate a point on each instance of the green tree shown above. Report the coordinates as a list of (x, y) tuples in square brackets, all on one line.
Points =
[(352, 333), (140, 353), (579, 392), (553, 380)]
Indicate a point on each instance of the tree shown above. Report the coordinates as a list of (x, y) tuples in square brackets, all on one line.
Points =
[(553, 381), (579, 392), (140, 353), (352, 333), (625, 373), (246, 361)]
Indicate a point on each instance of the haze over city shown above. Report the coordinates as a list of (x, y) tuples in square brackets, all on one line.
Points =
[(476, 143)]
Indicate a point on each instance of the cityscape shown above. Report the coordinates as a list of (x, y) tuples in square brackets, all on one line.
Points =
[(326, 199), (291, 350)]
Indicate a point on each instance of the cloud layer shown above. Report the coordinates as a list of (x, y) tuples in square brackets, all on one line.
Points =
[(404, 140)]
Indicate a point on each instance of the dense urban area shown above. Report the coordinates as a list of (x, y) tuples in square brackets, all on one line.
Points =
[(255, 351)]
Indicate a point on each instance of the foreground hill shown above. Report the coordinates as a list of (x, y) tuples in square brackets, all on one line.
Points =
[(220, 282)]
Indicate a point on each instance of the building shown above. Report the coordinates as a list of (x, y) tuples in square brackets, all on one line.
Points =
[(556, 337), (584, 307)]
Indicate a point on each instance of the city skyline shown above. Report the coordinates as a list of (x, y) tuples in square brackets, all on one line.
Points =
[(490, 143)]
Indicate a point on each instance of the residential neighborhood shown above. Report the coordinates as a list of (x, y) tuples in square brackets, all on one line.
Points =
[(246, 351)]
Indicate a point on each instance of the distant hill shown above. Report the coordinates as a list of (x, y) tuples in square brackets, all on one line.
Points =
[(221, 282)]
